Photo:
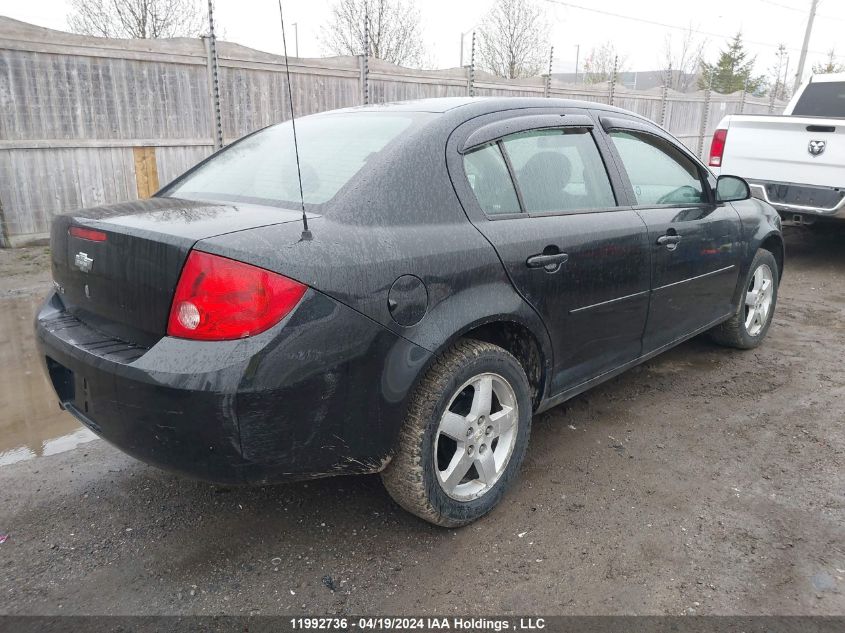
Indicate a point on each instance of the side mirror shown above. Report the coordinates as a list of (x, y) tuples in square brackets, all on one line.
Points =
[(732, 189)]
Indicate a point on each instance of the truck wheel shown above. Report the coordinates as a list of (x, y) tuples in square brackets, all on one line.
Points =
[(748, 327), (464, 437)]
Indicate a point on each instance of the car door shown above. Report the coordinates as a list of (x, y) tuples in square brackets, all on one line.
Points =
[(693, 241), (537, 187)]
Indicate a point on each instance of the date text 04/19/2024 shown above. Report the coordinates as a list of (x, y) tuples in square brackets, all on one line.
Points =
[(419, 623)]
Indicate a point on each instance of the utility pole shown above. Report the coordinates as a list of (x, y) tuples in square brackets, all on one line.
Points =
[(800, 72), (295, 39), (577, 55)]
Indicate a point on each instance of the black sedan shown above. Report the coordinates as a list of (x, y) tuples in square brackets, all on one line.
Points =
[(468, 263)]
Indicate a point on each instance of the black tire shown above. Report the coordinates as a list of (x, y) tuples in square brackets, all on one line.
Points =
[(733, 332), (411, 477)]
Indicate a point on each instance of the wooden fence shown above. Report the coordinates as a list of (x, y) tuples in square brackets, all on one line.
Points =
[(87, 121)]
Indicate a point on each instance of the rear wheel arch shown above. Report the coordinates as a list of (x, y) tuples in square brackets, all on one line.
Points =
[(518, 339), (415, 475)]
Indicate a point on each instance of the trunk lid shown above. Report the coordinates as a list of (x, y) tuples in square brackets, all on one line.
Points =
[(124, 285), (777, 148)]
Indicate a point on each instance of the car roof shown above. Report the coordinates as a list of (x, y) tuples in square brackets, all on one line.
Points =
[(480, 105)]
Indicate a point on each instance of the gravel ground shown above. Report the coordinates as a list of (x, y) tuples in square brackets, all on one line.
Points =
[(706, 481)]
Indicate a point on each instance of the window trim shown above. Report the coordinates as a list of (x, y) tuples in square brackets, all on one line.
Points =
[(508, 168), (512, 174), (610, 125), (590, 130), (497, 130), (462, 131)]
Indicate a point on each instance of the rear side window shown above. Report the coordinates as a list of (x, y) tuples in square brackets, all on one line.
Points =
[(825, 98), (559, 170), (659, 172), (488, 177)]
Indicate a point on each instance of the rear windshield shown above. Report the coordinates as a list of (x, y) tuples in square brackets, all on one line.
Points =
[(262, 168), (822, 99)]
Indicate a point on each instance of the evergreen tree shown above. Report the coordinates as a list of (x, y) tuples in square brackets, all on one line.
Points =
[(830, 65), (733, 71)]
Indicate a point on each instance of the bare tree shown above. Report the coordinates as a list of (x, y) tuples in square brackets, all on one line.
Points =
[(514, 39), (136, 18), (598, 65), (394, 31), (682, 56)]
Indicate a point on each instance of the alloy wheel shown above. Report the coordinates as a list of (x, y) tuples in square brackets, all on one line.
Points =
[(758, 300), (476, 436)]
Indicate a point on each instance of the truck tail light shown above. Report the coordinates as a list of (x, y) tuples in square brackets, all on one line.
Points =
[(717, 147), (220, 299)]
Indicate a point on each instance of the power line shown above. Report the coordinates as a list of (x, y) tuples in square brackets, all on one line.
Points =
[(665, 25), (801, 11), (783, 6)]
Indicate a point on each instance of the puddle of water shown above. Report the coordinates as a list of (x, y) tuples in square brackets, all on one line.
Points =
[(31, 423)]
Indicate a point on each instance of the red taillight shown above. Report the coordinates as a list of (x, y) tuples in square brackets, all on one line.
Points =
[(87, 234), (220, 299), (717, 147)]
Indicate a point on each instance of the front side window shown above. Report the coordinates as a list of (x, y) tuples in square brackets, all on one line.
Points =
[(659, 172), (490, 181), (559, 170), (262, 168)]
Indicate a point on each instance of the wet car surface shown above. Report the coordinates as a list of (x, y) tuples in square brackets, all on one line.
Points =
[(704, 480), (430, 305)]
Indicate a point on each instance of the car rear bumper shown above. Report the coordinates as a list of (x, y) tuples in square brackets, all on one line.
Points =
[(797, 199), (320, 394)]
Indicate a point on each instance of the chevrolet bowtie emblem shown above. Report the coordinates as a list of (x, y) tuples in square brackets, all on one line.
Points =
[(83, 262)]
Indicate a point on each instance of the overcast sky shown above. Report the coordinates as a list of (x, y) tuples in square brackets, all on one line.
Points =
[(764, 24)]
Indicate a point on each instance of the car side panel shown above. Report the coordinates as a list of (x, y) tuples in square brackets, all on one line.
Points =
[(760, 223), (692, 280), (596, 304)]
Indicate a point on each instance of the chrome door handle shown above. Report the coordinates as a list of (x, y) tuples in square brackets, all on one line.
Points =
[(669, 241), (551, 263)]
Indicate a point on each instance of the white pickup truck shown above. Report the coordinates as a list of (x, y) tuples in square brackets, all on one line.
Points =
[(794, 161)]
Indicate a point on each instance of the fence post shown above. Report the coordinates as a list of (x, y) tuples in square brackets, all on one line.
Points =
[(664, 95), (365, 61), (612, 88), (548, 85), (213, 79), (363, 79), (704, 117), (471, 82)]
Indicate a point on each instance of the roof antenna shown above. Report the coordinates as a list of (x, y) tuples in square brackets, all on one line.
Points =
[(306, 233)]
